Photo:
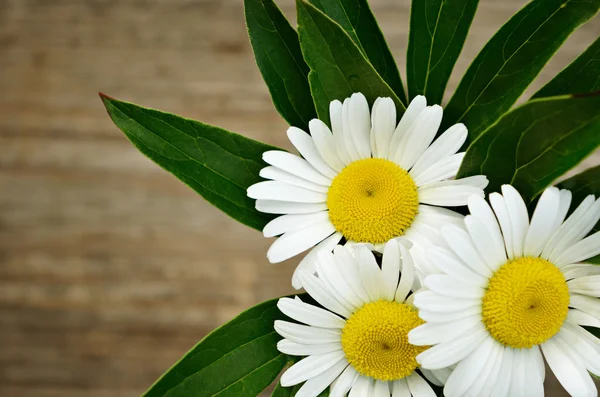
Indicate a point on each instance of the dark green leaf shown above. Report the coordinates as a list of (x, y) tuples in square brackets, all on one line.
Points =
[(438, 30), (279, 58), (357, 19), (581, 76), (338, 67), (582, 185), (535, 143), (216, 163), (238, 359), (511, 60), (281, 391)]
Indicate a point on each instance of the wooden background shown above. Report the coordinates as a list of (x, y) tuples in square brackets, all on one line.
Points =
[(110, 268)]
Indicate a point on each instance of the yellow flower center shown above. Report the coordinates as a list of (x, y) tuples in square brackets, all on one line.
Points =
[(372, 200), (375, 340), (526, 302)]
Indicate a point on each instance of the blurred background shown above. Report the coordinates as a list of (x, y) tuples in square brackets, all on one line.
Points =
[(110, 268)]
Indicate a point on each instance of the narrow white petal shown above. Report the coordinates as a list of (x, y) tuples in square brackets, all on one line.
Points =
[(571, 374), (311, 366), (287, 207), (309, 314), (407, 278), (281, 191), (584, 249), (297, 241), (437, 317), (438, 216), (436, 303), (325, 144), (286, 223), (390, 269), (480, 209), (498, 204), (461, 243), (579, 270), (580, 318), (435, 333), (295, 165), (542, 221), (587, 285), (492, 254), (418, 386), (362, 387), (329, 271), (349, 139), (444, 168), (373, 126), (586, 304), (307, 148), (448, 196), (306, 335), (280, 175), (502, 385), (299, 349), (519, 218), (445, 145), (337, 126), (381, 389), (315, 385), (344, 382), (400, 388), (582, 348), (452, 287), (370, 273), (431, 377), (414, 109), (419, 136), (349, 268), (321, 294), (308, 262), (486, 384), (537, 360), (455, 267), (360, 124), (469, 369), (384, 124), (451, 352)]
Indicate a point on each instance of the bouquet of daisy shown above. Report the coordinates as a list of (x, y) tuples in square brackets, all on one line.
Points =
[(439, 259)]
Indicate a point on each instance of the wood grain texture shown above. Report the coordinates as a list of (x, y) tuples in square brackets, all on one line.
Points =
[(110, 269)]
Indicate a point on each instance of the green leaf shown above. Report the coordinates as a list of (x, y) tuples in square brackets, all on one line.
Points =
[(281, 391), (216, 163), (357, 19), (511, 60), (338, 67), (581, 186), (535, 143), (438, 30), (279, 58), (581, 76), (238, 359)]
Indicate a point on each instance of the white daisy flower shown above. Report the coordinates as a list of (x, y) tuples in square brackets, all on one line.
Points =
[(368, 182), (359, 342), (512, 289)]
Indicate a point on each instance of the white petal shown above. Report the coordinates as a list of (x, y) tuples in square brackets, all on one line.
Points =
[(431, 377), (445, 168), (469, 369), (298, 349), (281, 191), (461, 243), (580, 318), (360, 124), (311, 366), (448, 196), (519, 218), (435, 333), (307, 148), (321, 294), (452, 287), (586, 304), (297, 241), (390, 269), (407, 278), (314, 386), (384, 124), (419, 136), (400, 388), (296, 166), (306, 335), (542, 221), (287, 207), (329, 271), (445, 145), (455, 267), (587, 285), (502, 386), (362, 387), (571, 374), (537, 361), (437, 317), (582, 349), (381, 389), (438, 216), (451, 352), (370, 273), (480, 209), (279, 175), (492, 254), (584, 249), (308, 262), (418, 386), (286, 223), (335, 114), (484, 385), (436, 303), (414, 109), (309, 314), (498, 204), (349, 139), (344, 382), (325, 144), (350, 271), (579, 270)]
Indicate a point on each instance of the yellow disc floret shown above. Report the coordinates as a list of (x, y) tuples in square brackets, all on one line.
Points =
[(375, 340), (526, 302), (372, 200)]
